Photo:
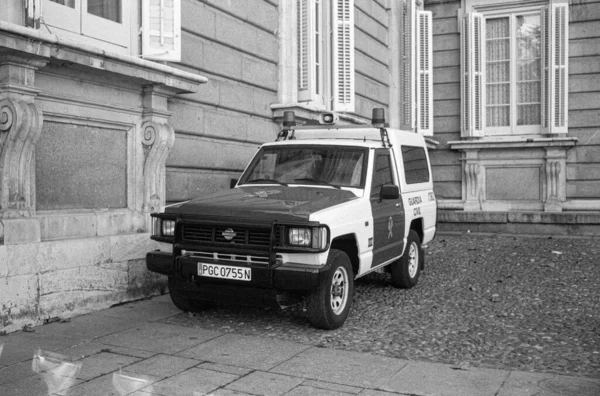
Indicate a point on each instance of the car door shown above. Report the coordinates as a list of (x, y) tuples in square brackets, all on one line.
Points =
[(388, 214)]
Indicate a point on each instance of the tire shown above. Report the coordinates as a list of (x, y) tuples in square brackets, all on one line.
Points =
[(406, 271), (329, 306), (182, 302)]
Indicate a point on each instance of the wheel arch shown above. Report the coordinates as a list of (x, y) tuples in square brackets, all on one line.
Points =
[(348, 244), (417, 226)]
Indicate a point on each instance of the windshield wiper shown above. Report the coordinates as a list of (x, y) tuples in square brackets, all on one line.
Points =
[(310, 179), (266, 181)]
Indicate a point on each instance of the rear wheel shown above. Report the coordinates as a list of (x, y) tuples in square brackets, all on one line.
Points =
[(329, 306), (181, 301), (406, 271)]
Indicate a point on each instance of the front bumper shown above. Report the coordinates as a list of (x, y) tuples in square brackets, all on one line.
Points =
[(295, 277)]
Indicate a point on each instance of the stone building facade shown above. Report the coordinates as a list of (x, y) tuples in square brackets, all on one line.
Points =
[(541, 178), (110, 110)]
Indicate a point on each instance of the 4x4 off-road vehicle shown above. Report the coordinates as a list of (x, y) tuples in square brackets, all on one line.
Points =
[(314, 210)]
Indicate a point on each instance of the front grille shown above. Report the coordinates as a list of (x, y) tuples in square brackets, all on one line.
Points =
[(217, 234)]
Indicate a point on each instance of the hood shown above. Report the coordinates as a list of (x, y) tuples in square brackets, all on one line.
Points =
[(266, 202)]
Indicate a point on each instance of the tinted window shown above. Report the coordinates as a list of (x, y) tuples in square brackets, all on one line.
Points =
[(415, 164), (382, 172)]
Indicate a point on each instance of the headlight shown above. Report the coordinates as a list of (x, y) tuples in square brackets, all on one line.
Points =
[(168, 227), (162, 227), (315, 237), (300, 236)]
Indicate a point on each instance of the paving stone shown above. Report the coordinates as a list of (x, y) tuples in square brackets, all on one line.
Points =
[(223, 368), (103, 363), (520, 383), (128, 351), (101, 386), (225, 392), (15, 372), (310, 391), (342, 367), (242, 351), (144, 311), (19, 347), (86, 327), (191, 382), (330, 386), (419, 378), (162, 366), (159, 337), (263, 383), (35, 385)]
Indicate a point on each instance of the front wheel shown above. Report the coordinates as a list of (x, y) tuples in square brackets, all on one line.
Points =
[(406, 271), (329, 306), (181, 301)]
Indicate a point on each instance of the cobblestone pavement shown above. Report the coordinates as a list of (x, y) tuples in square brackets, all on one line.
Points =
[(524, 303)]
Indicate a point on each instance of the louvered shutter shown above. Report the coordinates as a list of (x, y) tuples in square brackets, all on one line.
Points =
[(306, 91), (407, 66), (343, 55), (34, 12), (161, 30), (555, 71), (472, 75), (425, 74)]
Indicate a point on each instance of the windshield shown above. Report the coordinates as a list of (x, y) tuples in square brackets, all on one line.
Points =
[(336, 166)]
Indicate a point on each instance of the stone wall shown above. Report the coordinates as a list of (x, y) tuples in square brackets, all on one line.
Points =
[(235, 45), (446, 165), (84, 137), (583, 161)]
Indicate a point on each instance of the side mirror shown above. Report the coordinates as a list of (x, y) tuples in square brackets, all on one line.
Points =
[(233, 182), (389, 191)]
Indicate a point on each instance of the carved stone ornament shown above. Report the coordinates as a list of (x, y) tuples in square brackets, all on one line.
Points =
[(20, 128), (157, 140)]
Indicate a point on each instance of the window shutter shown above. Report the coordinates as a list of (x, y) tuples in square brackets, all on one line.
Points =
[(306, 91), (407, 66), (161, 30), (34, 12), (472, 75), (555, 71), (425, 73), (343, 55)]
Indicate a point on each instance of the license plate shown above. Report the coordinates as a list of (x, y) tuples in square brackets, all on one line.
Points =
[(224, 272)]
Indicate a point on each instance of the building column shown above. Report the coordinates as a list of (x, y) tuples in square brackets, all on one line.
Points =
[(158, 137), (473, 183), (556, 186), (20, 128)]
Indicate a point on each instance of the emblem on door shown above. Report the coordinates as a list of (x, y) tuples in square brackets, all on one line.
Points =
[(390, 226)]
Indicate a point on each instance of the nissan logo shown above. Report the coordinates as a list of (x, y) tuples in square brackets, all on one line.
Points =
[(229, 234)]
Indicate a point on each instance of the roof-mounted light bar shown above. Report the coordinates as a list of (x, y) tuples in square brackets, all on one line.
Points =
[(378, 117), (289, 122)]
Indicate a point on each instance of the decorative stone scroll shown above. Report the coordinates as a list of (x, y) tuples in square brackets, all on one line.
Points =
[(157, 139), (20, 128)]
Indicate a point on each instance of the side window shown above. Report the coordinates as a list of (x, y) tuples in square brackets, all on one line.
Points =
[(382, 172), (415, 164)]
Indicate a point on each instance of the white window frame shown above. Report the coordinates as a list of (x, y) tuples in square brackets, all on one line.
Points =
[(77, 23), (512, 128), (331, 86), (554, 68)]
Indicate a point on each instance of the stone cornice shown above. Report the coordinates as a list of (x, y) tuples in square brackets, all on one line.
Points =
[(41, 45), (517, 143)]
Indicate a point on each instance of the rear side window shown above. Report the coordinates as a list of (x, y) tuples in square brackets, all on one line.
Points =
[(415, 165)]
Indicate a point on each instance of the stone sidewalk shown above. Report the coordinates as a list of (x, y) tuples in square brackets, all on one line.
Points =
[(127, 350)]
